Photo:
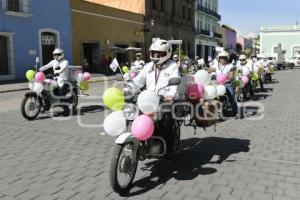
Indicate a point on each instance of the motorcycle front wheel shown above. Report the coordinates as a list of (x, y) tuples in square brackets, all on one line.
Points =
[(74, 100), (123, 167), (30, 106)]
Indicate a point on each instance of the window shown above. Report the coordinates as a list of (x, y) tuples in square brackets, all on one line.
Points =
[(4, 59), (16, 7), (153, 4), (162, 5), (183, 12), (13, 5), (200, 2)]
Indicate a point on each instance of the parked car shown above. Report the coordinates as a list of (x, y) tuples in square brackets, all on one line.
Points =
[(294, 61), (272, 60)]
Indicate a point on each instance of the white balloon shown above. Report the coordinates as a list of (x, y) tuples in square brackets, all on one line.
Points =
[(202, 77), (31, 85), (210, 92), (38, 87), (221, 90), (148, 101), (115, 123)]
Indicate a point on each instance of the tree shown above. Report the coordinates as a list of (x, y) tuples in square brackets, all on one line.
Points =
[(248, 52)]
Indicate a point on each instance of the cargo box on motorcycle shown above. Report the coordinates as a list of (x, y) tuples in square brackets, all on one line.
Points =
[(73, 73)]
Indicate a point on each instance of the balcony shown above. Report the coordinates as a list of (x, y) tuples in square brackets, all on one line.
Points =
[(217, 35), (203, 32), (208, 11)]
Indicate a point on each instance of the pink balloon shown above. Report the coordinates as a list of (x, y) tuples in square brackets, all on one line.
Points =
[(245, 79), (142, 127), (133, 74), (195, 91), (221, 79), (39, 77), (86, 76)]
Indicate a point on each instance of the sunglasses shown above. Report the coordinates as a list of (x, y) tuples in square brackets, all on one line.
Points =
[(243, 60), (57, 54)]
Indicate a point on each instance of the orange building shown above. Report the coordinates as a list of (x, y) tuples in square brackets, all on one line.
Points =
[(99, 27)]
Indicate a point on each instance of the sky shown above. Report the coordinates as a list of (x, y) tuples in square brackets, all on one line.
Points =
[(247, 16)]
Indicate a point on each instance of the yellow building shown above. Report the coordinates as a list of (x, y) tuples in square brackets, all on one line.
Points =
[(100, 26)]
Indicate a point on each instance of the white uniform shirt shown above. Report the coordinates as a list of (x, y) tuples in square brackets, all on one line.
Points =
[(221, 68), (63, 71), (156, 79), (245, 69)]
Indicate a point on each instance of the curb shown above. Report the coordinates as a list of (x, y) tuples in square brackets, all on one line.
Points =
[(94, 81)]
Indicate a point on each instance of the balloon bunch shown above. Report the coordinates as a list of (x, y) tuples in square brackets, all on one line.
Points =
[(36, 81), (82, 80), (205, 88), (115, 123), (129, 74)]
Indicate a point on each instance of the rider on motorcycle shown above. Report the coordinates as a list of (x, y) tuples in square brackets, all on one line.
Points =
[(138, 63), (157, 73), (61, 72), (246, 70), (60, 67), (222, 66)]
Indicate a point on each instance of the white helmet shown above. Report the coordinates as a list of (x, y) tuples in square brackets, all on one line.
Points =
[(160, 45), (223, 54), (175, 57), (243, 59), (58, 54)]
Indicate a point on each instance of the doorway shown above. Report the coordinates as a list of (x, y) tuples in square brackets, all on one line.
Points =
[(49, 41), (91, 57)]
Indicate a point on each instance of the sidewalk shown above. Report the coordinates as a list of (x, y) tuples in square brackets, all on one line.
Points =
[(13, 86)]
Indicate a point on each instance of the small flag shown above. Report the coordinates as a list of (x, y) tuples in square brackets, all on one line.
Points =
[(114, 65)]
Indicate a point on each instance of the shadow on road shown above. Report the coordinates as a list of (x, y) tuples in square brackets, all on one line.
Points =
[(89, 109), (187, 164)]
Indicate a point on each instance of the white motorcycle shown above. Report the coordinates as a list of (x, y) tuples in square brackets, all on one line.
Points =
[(128, 150)]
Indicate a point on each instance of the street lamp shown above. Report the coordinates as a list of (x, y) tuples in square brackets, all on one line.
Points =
[(152, 22)]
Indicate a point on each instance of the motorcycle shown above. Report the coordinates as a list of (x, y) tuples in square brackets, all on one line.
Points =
[(44, 96), (128, 151)]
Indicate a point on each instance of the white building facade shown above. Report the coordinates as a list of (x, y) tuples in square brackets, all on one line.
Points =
[(207, 28), (286, 36)]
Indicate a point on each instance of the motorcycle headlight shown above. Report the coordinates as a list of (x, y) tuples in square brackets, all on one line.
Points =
[(131, 111)]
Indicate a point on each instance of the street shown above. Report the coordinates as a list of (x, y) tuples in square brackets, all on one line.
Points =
[(257, 157)]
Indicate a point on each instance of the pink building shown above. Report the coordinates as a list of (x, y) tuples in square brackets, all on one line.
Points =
[(228, 39), (245, 42)]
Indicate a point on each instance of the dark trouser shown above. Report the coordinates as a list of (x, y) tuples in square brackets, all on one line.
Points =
[(231, 95), (62, 91), (261, 83)]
